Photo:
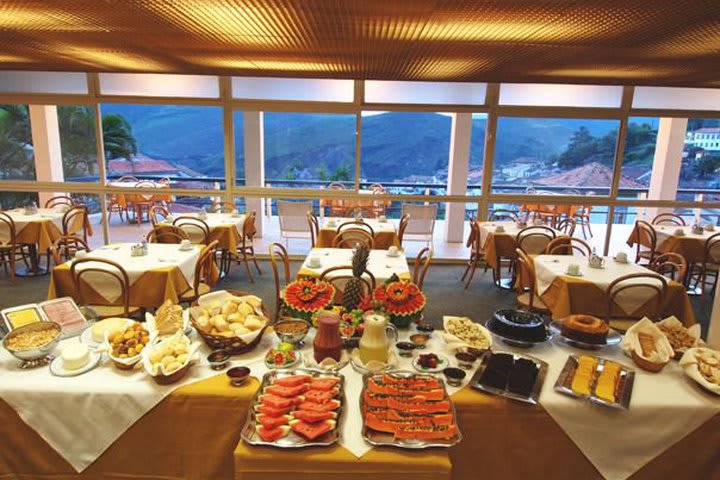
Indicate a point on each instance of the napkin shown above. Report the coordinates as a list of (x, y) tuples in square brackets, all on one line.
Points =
[(631, 342), (689, 362)]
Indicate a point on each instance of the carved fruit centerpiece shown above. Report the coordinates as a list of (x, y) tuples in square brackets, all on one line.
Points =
[(304, 297), (402, 300)]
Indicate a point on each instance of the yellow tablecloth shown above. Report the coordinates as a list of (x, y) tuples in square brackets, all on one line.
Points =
[(692, 247), (44, 232), (499, 245)]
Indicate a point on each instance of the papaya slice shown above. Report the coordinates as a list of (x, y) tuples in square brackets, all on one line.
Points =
[(426, 433)]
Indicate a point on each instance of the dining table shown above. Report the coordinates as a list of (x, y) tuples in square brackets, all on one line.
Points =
[(385, 232), (381, 264), (676, 239)]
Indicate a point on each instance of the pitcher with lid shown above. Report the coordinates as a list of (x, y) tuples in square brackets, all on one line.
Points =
[(374, 343)]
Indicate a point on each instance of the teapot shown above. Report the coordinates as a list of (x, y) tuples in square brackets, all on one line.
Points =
[(374, 343), (596, 261), (137, 250)]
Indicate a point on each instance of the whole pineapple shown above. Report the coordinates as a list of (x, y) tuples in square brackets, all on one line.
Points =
[(354, 288)]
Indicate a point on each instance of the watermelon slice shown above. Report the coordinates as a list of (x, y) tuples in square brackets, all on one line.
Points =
[(312, 430), (271, 422), (324, 383), (286, 392), (292, 381), (272, 411), (272, 434), (275, 401), (313, 417), (320, 396), (320, 407)]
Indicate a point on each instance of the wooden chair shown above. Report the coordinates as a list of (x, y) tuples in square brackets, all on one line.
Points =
[(420, 268), (204, 274), (671, 265), (10, 250), (668, 218), (246, 249), (112, 272), (477, 254), (167, 234), (128, 178), (350, 237), (568, 246), (65, 248), (502, 215), (223, 207), (582, 216), (58, 201), (535, 239), (646, 246), (527, 298), (76, 215), (142, 202), (656, 284), (567, 226), (278, 254), (197, 230), (710, 265), (114, 206), (356, 224), (158, 210), (378, 207), (337, 206), (338, 281), (314, 226), (402, 226)]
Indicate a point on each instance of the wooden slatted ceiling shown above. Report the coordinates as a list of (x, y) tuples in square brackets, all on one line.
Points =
[(658, 42)]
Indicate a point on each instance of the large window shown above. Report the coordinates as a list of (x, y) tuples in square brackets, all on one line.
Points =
[(700, 170), (566, 155), (309, 150), (183, 143), (477, 152), (239, 148), (408, 149), (16, 149), (77, 142)]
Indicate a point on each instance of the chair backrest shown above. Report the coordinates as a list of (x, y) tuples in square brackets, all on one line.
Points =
[(59, 200), (293, 215), (197, 230), (145, 197), (422, 263), (203, 267), (350, 237), (712, 249), (473, 241), (74, 218), (652, 287), (128, 178), (355, 224), (567, 226), (249, 229), (525, 275), (668, 218), (377, 188), (338, 277), (500, 215), (402, 226), (158, 210), (278, 256), (535, 239), (314, 226), (336, 186), (103, 271), (65, 247), (7, 229), (223, 207), (422, 219), (671, 265), (568, 246), (647, 236), (167, 234)]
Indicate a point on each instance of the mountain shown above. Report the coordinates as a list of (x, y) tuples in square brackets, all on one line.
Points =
[(395, 145)]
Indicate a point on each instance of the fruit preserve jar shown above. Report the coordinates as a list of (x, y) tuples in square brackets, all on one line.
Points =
[(328, 342)]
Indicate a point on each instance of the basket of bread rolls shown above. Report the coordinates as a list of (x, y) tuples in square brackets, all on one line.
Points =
[(647, 346), (168, 360), (230, 320), (168, 319)]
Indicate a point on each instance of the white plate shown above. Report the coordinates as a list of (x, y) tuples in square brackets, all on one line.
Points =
[(58, 369), (298, 357), (443, 363), (185, 249), (622, 262), (579, 274)]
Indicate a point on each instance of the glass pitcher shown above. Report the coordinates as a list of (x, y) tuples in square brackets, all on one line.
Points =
[(374, 343)]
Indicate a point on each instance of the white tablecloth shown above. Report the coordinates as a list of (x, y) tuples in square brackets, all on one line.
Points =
[(160, 255), (374, 223), (380, 264), (21, 220), (663, 232)]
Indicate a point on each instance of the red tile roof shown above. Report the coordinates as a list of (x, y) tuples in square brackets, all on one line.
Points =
[(140, 164), (591, 175)]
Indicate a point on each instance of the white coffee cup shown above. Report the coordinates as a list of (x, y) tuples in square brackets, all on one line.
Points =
[(185, 244), (621, 257), (499, 229), (393, 251), (382, 219), (573, 269), (314, 261)]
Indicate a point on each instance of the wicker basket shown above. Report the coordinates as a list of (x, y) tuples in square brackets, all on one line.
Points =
[(645, 364), (126, 366), (173, 377), (234, 345)]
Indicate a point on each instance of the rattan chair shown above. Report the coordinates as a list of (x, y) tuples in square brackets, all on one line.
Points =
[(650, 282), (196, 229), (92, 268), (527, 298), (350, 237), (204, 277), (278, 257), (668, 218), (568, 246), (421, 265)]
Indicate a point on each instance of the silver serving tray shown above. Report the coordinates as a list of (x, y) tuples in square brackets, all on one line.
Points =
[(613, 338), (534, 393), (292, 439), (376, 438), (521, 343), (625, 385)]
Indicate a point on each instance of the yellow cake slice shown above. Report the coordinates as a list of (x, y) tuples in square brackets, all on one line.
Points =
[(584, 375), (608, 381)]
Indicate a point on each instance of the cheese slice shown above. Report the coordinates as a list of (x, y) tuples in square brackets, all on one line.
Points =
[(75, 356)]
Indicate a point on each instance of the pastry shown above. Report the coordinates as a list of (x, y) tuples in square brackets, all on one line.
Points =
[(583, 375), (608, 381), (497, 371), (678, 336), (518, 325), (130, 342), (708, 362), (585, 328), (110, 325), (75, 356), (235, 317), (647, 344), (168, 318), (522, 377)]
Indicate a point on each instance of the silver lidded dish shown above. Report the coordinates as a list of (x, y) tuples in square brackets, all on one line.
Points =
[(297, 330), (39, 355)]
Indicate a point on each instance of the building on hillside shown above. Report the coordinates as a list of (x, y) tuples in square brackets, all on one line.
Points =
[(591, 175), (706, 138), (143, 165)]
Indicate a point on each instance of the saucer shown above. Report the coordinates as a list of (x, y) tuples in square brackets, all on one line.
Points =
[(57, 368), (393, 255), (578, 274), (621, 261), (185, 249)]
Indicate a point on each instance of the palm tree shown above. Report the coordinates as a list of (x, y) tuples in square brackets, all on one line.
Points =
[(118, 137), (15, 143)]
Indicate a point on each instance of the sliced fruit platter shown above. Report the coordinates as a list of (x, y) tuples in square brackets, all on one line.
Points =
[(407, 410), (296, 408)]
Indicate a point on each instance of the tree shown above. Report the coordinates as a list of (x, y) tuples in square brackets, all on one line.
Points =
[(118, 138), (342, 174), (582, 145), (16, 155), (77, 135), (707, 165)]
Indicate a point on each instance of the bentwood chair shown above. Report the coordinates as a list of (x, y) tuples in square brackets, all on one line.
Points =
[(402, 226), (356, 224), (314, 226), (421, 265), (278, 258), (205, 274), (10, 250), (87, 272), (582, 216), (503, 215), (196, 229), (76, 219), (59, 200), (477, 254), (710, 265), (337, 206), (65, 248), (671, 265), (535, 239), (246, 248), (527, 298), (350, 237), (567, 226), (646, 246), (338, 277), (158, 211), (649, 288), (167, 234), (568, 246), (668, 218)]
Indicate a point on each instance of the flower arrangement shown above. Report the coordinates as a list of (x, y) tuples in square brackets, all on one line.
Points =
[(304, 297), (401, 300)]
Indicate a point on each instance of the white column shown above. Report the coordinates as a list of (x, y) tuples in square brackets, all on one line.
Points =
[(46, 147), (458, 175), (254, 162), (667, 162)]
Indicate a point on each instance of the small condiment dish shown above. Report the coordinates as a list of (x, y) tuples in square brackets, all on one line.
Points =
[(454, 376), (420, 340), (405, 349), (218, 359), (238, 375)]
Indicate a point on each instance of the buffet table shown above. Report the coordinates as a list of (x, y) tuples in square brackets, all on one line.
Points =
[(385, 232)]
